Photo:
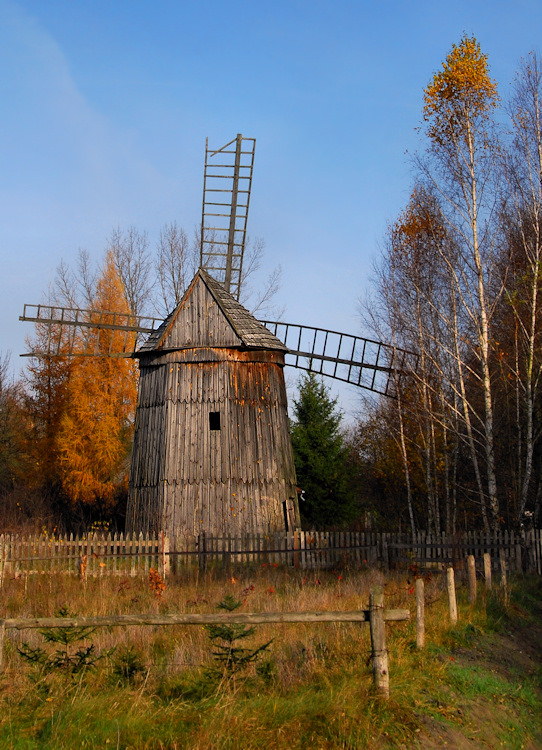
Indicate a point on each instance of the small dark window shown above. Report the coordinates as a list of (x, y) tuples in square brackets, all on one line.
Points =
[(214, 420)]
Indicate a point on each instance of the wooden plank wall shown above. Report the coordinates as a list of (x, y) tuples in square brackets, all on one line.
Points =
[(121, 555), (186, 477), (200, 322)]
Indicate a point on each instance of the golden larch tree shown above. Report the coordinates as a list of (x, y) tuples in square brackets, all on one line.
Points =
[(95, 434)]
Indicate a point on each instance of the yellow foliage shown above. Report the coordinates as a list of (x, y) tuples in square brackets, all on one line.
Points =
[(461, 92), (96, 427), (418, 225)]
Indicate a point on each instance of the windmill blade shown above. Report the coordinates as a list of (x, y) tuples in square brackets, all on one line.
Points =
[(352, 359), (227, 183), (65, 329), (363, 362)]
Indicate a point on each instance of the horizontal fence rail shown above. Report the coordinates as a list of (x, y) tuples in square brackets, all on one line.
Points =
[(247, 618), (116, 554), (376, 617)]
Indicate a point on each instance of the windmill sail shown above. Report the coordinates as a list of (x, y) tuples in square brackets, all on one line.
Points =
[(66, 326), (227, 183), (365, 363)]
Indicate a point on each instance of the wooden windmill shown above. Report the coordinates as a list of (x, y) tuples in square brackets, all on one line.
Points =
[(212, 448)]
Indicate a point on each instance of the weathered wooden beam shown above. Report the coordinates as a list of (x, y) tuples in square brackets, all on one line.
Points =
[(471, 566), (378, 642), (452, 601), (420, 613), (253, 618)]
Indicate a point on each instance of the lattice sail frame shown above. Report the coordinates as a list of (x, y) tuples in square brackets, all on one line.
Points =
[(227, 175), (362, 362), (67, 330)]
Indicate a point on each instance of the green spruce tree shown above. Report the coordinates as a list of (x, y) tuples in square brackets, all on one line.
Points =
[(321, 457)]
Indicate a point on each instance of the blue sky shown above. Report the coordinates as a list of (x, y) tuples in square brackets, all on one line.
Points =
[(105, 107)]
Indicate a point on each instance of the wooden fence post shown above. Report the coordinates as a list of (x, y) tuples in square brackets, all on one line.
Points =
[(165, 556), (2, 559), (2, 634), (378, 642), (201, 549), (487, 570), (385, 554), (519, 564), (471, 565), (82, 568), (504, 580), (420, 613), (451, 595), (296, 549)]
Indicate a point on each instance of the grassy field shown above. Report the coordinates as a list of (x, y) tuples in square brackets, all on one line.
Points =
[(476, 684)]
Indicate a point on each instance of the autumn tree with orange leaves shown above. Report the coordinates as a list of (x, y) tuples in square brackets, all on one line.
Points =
[(95, 433)]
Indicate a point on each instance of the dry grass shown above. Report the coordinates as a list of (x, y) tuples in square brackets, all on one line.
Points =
[(315, 690), (298, 649)]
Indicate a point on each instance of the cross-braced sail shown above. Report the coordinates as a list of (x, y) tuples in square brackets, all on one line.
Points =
[(227, 183)]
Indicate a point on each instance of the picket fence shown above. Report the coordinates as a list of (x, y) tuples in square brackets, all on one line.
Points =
[(123, 555)]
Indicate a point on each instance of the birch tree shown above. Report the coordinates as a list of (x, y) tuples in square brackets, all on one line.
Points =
[(523, 354), (460, 164)]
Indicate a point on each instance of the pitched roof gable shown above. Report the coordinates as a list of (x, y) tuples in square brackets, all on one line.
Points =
[(209, 316)]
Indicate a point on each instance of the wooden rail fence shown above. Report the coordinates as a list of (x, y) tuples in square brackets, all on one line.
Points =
[(117, 554), (376, 616)]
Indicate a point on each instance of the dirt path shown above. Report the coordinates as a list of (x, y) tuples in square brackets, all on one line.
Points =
[(513, 655)]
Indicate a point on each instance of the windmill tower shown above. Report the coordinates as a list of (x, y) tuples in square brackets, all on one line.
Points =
[(212, 447), (212, 389)]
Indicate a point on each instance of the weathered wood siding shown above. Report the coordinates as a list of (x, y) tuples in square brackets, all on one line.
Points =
[(201, 324), (187, 477), (211, 357)]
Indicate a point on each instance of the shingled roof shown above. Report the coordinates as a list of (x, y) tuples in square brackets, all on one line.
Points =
[(247, 331)]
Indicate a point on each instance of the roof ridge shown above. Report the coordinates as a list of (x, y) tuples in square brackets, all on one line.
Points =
[(249, 330)]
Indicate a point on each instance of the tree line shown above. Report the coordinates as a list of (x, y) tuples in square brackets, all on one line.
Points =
[(66, 426), (457, 281)]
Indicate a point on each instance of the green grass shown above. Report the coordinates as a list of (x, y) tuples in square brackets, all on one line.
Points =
[(160, 689)]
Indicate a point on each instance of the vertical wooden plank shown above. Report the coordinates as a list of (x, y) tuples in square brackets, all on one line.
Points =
[(471, 567), (296, 541), (69, 553), (56, 550), (42, 553), (202, 551), (452, 602), (148, 558), (110, 558), (487, 570), (2, 635), (378, 642), (2, 559), (115, 554), (420, 613), (165, 556), (257, 545), (130, 543), (504, 579)]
